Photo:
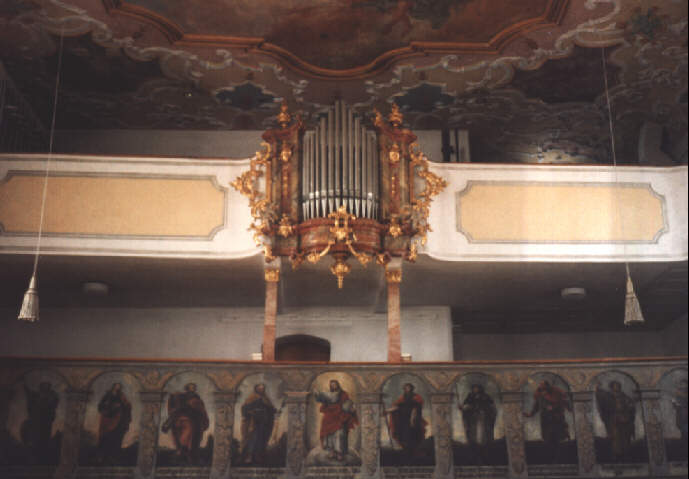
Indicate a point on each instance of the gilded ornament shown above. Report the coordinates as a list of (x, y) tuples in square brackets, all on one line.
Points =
[(272, 275), (393, 275), (285, 228), (340, 269), (394, 155), (284, 117), (395, 117), (285, 153)]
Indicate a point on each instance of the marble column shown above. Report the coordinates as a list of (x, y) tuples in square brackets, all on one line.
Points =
[(583, 425), (370, 435), (296, 429), (151, 403), (71, 434), (393, 276), (272, 276), (441, 417), (224, 423), (655, 442), (514, 433)]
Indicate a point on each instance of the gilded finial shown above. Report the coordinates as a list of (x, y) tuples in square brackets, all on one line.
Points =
[(395, 117), (284, 117)]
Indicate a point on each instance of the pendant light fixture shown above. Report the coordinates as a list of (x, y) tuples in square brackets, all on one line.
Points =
[(30, 311), (632, 308)]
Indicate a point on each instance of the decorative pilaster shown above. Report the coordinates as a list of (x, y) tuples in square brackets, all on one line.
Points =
[(224, 422), (370, 435), (441, 414), (393, 276), (148, 437), (74, 417), (650, 402), (296, 426), (514, 434), (272, 276), (583, 425)]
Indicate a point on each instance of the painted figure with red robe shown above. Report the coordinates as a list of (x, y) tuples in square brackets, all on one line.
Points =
[(187, 420), (338, 417), (115, 415), (407, 425), (551, 402)]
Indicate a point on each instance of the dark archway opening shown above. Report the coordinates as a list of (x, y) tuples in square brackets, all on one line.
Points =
[(302, 347)]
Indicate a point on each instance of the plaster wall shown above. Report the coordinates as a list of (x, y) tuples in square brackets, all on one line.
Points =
[(508, 347), (218, 333), (675, 337)]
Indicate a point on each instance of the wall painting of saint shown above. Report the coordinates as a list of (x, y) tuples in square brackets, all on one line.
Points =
[(618, 424), (110, 434), (332, 422), (187, 421), (405, 434), (32, 435), (260, 423), (478, 436), (673, 405), (549, 431)]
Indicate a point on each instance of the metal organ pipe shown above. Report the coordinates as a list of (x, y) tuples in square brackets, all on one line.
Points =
[(340, 162)]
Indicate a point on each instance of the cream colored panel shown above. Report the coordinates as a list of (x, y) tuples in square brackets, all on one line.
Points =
[(112, 206), (559, 213)]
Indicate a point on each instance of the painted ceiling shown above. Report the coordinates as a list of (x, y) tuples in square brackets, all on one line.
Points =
[(525, 78)]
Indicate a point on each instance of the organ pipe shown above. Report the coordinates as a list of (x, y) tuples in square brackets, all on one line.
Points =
[(341, 166)]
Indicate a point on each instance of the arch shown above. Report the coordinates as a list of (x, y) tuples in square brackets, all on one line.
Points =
[(19, 379), (89, 385), (668, 373), (596, 379), (302, 347), (428, 387), (530, 379), (188, 371)]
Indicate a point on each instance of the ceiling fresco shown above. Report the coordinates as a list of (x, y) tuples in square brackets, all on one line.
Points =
[(525, 78)]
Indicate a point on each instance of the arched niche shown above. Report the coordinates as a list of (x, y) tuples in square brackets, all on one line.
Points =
[(110, 433), (187, 422), (477, 404), (549, 431), (32, 435), (406, 432), (320, 418), (302, 347), (618, 424), (673, 406), (260, 422)]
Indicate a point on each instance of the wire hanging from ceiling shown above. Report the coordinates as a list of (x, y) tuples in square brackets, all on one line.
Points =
[(30, 310), (632, 308)]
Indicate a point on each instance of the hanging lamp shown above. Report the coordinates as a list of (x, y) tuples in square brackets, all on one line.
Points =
[(30, 311)]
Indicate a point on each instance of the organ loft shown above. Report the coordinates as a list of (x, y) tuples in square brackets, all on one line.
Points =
[(355, 240)]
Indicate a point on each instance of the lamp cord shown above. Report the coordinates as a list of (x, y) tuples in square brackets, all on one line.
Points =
[(614, 157), (50, 153)]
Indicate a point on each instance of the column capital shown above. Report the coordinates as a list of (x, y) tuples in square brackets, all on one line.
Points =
[(582, 396), (79, 395), (512, 396), (370, 398), (224, 397), (296, 397), (152, 396), (441, 398), (649, 394)]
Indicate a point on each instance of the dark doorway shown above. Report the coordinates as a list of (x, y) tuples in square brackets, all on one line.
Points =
[(302, 347)]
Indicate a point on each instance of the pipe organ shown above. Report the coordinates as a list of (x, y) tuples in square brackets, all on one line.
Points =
[(340, 166), (346, 186)]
